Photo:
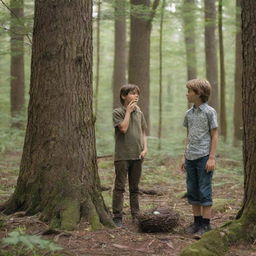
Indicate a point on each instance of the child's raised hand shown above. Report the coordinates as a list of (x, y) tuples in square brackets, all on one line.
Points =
[(131, 106)]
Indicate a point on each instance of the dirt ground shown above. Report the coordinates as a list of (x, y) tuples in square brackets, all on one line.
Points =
[(159, 174)]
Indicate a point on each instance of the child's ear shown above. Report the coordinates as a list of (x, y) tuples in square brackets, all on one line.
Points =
[(123, 97)]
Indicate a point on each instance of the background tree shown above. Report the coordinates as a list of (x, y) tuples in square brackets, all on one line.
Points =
[(119, 70), (223, 121), (237, 117), (17, 59), (58, 172), (211, 51), (217, 241), (161, 75), (139, 55), (188, 13)]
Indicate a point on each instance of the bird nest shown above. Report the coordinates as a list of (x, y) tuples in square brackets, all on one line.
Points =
[(158, 220)]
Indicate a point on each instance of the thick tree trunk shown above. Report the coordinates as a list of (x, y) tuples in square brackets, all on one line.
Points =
[(249, 100), (237, 118), (17, 59), (211, 51), (119, 71), (139, 54), (217, 241), (223, 121), (58, 173)]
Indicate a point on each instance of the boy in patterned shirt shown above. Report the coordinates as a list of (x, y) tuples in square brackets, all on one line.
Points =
[(199, 157)]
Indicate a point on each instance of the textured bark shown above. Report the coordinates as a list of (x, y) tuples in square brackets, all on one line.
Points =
[(17, 58), (223, 121), (217, 241), (211, 51), (139, 54), (238, 121), (97, 76), (120, 55), (249, 100), (58, 172)]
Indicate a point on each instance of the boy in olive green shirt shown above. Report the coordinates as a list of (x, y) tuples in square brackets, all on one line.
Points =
[(130, 150)]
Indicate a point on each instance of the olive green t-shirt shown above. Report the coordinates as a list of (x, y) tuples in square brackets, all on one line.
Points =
[(129, 145)]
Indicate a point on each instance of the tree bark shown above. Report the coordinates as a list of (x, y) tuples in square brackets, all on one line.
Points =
[(139, 54), (223, 119), (58, 172), (211, 51), (17, 59), (97, 76), (216, 242), (237, 118), (119, 72)]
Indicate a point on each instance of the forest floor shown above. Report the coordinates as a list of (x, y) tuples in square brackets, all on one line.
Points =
[(160, 174)]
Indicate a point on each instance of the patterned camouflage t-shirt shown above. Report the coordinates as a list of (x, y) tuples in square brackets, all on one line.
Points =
[(199, 122)]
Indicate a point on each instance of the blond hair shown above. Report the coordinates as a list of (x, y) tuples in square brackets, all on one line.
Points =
[(201, 87)]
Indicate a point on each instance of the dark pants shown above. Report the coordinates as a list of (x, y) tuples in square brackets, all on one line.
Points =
[(133, 169), (199, 182)]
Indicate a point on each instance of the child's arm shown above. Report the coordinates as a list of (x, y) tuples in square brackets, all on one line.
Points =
[(210, 165), (145, 146), (182, 164), (123, 126)]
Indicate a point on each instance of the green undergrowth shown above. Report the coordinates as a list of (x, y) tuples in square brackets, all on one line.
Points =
[(19, 243)]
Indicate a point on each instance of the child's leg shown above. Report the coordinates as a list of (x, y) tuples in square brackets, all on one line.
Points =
[(207, 211), (205, 186), (196, 210), (121, 169), (193, 196), (134, 175)]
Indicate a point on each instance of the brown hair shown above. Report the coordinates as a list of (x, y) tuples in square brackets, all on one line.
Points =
[(125, 89), (201, 87)]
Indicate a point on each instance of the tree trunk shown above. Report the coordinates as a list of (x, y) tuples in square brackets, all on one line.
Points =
[(97, 76), (189, 36), (119, 71), (58, 172), (223, 121), (248, 103), (237, 119), (217, 241), (139, 54), (211, 51), (160, 76), (17, 59)]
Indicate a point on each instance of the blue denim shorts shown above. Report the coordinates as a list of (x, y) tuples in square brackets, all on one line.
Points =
[(199, 182)]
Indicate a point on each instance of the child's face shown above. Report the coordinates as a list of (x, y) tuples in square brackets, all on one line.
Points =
[(192, 96), (131, 96)]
